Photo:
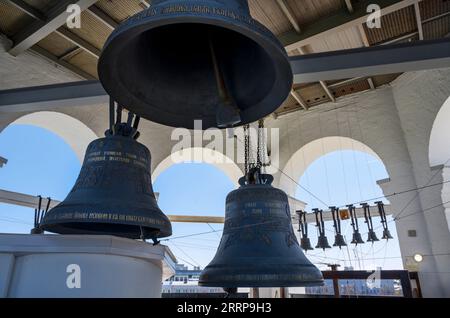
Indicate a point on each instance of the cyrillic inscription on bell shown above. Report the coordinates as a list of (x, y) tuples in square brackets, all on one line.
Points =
[(258, 247)]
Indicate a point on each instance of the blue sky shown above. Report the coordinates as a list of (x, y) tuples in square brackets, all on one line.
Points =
[(42, 163)]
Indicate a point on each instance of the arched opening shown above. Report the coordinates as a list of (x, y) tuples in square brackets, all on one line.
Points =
[(44, 151), (439, 152), (337, 171), (39, 163), (209, 156), (75, 133), (302, 158), (198, 189)]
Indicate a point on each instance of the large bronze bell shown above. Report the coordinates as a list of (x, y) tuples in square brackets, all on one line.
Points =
[(181, 60), (113, 194), (258, 247)]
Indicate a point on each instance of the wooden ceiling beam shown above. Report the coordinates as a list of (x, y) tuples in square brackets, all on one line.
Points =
[(322, 83), (418, 20), (289, 14), (39, 29), (328, 91), (349, 5), (54, 59), (339, 21), (366, 43), (299, 99), (78, 41)]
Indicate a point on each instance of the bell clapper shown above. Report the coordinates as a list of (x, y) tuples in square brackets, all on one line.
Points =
[(227, 112)]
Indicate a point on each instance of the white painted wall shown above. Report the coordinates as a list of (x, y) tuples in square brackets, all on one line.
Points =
[(37, 266), (439, 149)]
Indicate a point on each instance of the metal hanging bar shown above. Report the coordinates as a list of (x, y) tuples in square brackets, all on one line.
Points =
[(372, 237)]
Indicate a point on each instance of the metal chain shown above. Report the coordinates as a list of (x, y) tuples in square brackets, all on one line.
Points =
[(246, 148), (259, 145)]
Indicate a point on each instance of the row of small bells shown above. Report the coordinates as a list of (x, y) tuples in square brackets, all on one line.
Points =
[(339, 241), (240, 73)]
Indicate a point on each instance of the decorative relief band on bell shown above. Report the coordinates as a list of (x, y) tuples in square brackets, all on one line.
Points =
[(242, 278), (190, 8), (115, 156), (237, 224), (102, 216)]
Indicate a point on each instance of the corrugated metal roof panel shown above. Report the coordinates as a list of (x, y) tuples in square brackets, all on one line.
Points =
[(92, 30), (12, 20), (432, 8), (346, 39), (395, 24), (85, 62), (56, 44), (308, 11), (436, 29), (120, 10)]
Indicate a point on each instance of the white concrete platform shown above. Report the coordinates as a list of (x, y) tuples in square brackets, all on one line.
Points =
[(66, 266)]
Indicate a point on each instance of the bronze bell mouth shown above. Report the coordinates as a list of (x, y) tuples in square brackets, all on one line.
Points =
[(232, 70)]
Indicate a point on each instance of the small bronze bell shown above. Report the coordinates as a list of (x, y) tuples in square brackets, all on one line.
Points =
[(371, 236), (386, 234), (258, 247), (338, 239), (305, 242), (322, 241), (357, 238)]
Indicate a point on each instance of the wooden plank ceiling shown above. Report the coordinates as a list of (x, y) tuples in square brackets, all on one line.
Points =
[(429, 19)]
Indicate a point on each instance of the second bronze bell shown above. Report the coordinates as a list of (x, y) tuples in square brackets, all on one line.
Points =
[(258, 247), (113, 194)]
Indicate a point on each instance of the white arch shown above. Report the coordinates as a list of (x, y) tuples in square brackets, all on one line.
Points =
[(439, 147), (75, 133), (206, 155), (302, 158), (439, 152)]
